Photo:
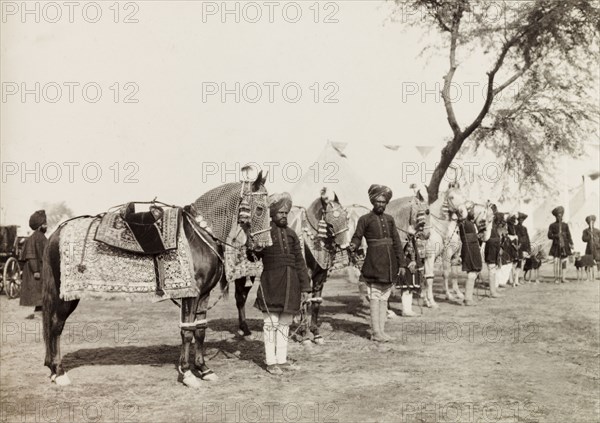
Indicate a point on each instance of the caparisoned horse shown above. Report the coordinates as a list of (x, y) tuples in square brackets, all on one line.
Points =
[(443, 240), (204, 222), (323, 229)]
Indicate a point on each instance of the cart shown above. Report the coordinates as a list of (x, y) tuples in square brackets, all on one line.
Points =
[(10, 251)]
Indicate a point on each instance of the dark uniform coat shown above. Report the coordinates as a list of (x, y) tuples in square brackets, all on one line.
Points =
[(563, 240), (31, 288), (470, 253), (384, 250), (593, 246), (492, 246), (284, 275), (524, 241), (513, 247)]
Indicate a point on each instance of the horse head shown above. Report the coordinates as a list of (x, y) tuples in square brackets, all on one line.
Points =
[(456, 201), (483, 217), (336, 218), (253, 213)]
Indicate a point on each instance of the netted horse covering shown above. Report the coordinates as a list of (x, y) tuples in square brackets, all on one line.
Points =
[(404, 211), (219, 208)]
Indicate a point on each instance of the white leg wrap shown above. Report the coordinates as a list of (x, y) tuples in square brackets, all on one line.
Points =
[(269, 336), (281, 343)]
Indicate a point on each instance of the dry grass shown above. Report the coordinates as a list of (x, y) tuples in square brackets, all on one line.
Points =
[(532, 355)]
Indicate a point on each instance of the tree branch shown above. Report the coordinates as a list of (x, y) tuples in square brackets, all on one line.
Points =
[(450, 75)]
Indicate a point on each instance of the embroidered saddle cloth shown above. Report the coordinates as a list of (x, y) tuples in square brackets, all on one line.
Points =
[(91, 269), (153, 232)]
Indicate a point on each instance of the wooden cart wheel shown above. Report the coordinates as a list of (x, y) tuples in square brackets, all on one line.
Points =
[(12, 278)]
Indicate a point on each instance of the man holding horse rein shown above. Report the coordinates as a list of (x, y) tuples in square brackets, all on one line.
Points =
[(385, 260), (284, 284)]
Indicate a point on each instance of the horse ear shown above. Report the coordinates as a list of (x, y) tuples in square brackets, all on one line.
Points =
[(264, 179), (258, 182)]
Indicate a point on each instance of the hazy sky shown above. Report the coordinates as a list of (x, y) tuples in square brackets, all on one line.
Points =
[(161, 127)]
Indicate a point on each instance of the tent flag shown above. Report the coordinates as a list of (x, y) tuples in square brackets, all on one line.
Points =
[(392, 147), (339, 147), (424, 150)]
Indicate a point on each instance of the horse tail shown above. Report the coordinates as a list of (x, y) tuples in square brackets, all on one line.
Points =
[(50, 287)]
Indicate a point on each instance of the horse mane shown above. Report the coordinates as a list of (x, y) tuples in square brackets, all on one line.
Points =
[(219, 207)]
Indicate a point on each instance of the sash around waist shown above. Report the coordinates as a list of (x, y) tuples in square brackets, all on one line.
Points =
[(379, 242), (278, 261)]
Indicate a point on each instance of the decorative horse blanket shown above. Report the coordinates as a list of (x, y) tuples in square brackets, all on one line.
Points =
[(140, 232), (91, 269)]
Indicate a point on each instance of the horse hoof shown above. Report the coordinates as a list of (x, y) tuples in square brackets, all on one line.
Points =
[(190, 380), (306, 343), (450, 297), (62, 380), (210, 376), (319, 340)]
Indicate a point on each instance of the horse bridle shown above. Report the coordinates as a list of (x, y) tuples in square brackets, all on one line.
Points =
[(346, 229), (245, 195)]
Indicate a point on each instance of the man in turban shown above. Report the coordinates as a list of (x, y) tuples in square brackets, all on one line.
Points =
[(32, 253), (385, 259), (470, 254), (284, 284), (591, 236), (492, 252), (524, 243), (562, 243)]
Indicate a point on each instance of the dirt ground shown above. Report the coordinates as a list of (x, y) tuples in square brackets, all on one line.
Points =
[(531, 356)]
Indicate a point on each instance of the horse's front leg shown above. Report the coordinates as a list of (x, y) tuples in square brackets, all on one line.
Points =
[(318, 283), (241, 296), (188, 328), (429, 267)]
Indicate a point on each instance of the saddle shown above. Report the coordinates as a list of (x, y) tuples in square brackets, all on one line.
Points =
[(150, 232)]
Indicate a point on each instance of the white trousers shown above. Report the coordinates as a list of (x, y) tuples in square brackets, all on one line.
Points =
[(276, 331)]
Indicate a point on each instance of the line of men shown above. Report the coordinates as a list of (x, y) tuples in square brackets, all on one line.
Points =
[(285, 284)]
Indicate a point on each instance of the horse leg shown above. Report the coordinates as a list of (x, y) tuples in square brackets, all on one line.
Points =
[(55, 315), (455, 288), (188, 327), (429, 299), (200, 333), (319, 279), (241, 295), (54, 312)]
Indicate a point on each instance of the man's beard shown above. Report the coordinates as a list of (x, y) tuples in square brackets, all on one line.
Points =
[(282, 223), (378, 209), (43, 230)]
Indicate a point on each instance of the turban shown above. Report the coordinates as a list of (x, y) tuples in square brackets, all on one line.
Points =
[(499, 217), (377, 190), (522, 216), (590, 218), (280, 202), (37, 219), (558, 210)]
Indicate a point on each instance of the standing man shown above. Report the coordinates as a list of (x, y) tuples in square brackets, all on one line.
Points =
[(470, 254), (284, 284), (591, 236), (524, 243), (492, 252), (385, 259), (33, 251), (562, 243)]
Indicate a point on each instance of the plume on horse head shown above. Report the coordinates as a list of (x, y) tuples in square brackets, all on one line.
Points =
[(220, 209)]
